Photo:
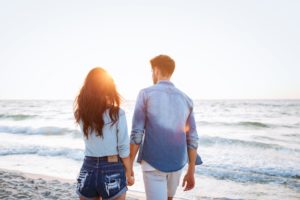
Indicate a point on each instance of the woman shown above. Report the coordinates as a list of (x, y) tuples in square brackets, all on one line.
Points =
[(106, 167)]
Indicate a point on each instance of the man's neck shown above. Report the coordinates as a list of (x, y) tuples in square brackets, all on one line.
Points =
[(163, 78)]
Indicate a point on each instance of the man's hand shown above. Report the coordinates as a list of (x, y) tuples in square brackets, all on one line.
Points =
[(132, 172), (188, 181), (133, 151)]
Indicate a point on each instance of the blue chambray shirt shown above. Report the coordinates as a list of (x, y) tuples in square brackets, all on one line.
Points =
[(164, 126)]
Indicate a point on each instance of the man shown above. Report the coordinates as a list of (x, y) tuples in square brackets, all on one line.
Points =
[(164, 132)]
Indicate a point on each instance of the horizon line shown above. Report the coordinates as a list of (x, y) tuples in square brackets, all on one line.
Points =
[(129, 99)]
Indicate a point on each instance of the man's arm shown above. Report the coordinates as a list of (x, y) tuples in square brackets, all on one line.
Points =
[(189, 180), (133, 151), (138, 127), (192, 144)]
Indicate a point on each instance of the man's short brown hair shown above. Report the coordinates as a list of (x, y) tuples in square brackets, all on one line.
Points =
[(164, 63)]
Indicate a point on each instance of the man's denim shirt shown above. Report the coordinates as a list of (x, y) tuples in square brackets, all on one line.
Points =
[(164, 126)]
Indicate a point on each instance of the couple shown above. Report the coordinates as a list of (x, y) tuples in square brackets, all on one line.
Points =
[(163, 132)]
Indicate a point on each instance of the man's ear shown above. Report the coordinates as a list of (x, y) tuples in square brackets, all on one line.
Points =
[(156, 71)]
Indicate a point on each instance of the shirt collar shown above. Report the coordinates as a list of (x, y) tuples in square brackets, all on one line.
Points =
[(165, 82)]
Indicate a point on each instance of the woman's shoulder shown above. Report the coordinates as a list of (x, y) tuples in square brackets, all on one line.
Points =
[(121, 112)]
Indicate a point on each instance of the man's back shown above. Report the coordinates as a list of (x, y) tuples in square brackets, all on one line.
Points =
[(167, 107), (165, 111)]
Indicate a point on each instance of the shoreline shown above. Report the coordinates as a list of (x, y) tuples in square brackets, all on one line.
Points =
[(19, 185)]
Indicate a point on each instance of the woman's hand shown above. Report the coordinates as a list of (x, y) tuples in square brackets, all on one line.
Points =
[(130, 178), (128, 170)]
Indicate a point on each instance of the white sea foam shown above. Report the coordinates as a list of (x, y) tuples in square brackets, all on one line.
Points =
[(75, 154), (47, 130)]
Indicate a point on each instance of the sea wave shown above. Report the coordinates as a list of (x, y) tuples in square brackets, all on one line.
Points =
[(46, 130), (254, 124), (288, 176), (75, 154), (246, 124), (220, 171), (213, 140), (260, 103), (294, 135), (17, 117)]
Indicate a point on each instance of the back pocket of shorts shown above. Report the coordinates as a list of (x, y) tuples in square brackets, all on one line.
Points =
[(113, 182), (83, 179)]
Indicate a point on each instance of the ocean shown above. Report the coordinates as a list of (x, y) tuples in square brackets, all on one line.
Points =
[(250, 148)]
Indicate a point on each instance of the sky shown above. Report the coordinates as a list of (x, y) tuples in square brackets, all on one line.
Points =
[(242, 49)]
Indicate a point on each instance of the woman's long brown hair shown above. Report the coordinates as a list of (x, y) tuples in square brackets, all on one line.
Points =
[(97, 94)]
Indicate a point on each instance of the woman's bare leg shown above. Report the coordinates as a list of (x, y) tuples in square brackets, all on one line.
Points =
[(81, 198), (122, 197)]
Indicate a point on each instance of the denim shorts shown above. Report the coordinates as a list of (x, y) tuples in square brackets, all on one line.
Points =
[(100, 178)]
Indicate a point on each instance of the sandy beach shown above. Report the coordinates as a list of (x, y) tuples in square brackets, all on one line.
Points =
[(17, 185)]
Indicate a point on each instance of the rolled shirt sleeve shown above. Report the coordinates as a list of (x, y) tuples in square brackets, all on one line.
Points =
[(122, 136), (191, 134), (138, 120)]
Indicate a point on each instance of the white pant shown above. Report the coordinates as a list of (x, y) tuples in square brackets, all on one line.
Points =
[(159, 185)]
